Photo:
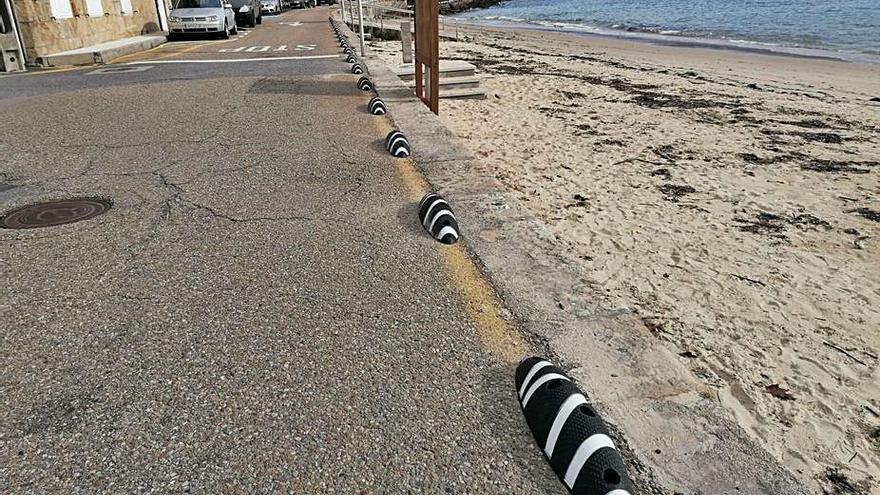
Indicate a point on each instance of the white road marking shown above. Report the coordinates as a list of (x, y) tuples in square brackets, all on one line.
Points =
[(292, 24), (233, 60), (120, 70), (183, 43), (265, 48)]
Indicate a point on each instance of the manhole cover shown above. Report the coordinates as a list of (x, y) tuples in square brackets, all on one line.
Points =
[(54, 213)]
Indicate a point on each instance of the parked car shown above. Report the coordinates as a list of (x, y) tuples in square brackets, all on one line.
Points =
[(297, 4), (248, 12), (272, 7), (201, 16)]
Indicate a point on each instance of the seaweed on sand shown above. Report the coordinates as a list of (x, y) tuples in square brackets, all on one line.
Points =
[(872, 215), (774, 225), (839, 166), (674, 192)]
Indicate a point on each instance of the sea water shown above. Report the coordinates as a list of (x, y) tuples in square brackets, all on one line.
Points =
[(848, 28)]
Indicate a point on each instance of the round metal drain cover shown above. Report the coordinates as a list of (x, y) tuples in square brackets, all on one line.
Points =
[(54, 213)]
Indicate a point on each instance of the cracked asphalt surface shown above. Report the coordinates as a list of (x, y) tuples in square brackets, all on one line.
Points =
[(259, 312)]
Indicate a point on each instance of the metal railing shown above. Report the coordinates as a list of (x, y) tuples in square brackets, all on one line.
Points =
[(389, 14)]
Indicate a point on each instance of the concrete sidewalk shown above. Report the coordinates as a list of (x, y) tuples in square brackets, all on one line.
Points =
[(676, 439), (104, 52)]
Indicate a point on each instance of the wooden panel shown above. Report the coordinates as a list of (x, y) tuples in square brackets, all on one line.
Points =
[(427, 62)]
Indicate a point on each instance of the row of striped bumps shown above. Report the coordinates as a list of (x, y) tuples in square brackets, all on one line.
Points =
[(438, 219), (571, 434)]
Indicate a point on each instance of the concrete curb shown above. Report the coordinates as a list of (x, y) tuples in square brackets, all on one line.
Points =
[(674, 435), (101, 56)]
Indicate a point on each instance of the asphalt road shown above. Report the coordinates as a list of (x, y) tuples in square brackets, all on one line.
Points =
[(259, 312)]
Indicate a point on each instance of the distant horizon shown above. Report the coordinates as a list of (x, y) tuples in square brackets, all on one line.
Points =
[(849, 27)]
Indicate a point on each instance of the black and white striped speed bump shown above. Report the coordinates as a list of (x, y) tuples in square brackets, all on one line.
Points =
[(569, 431), (437, 218), (357, 69), (365, 84), (397, 144), (350, 59), (377, 106), (348, 51)]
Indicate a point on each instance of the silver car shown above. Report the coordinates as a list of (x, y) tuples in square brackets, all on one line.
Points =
[(202, 16), (272, 7)]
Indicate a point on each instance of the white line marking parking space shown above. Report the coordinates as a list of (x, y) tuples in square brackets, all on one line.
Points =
[(119, 70), (233, 60)]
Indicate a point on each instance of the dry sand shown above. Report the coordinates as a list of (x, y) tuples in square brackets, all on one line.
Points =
[(729, 198)]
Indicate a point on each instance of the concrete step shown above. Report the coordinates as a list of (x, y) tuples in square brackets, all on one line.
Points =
[(448, 68), (469, 93), (466, 82)]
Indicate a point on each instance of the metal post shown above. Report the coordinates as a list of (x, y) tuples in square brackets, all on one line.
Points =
[(11, 49), (361, 28), (406, 41), (343, 10)]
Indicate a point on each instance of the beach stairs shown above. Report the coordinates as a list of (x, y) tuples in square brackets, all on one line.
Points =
[(457, 79)]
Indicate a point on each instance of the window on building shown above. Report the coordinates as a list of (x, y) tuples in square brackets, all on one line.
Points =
[(61, 9), (125, 5), (95, 8)]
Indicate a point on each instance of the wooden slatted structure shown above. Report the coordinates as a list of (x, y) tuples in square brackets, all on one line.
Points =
[(427, 59)]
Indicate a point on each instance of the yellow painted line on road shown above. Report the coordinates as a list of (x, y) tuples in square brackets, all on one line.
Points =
[(185, 50), (53, 71), (132, 55), (167, 47), (481, 303)]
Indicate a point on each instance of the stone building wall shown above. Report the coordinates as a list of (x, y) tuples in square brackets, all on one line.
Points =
[(43, 35)]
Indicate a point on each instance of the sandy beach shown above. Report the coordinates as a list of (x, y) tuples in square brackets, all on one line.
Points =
[(729, 199)]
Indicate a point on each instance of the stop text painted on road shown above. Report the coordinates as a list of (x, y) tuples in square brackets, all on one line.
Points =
[(267, 48)]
